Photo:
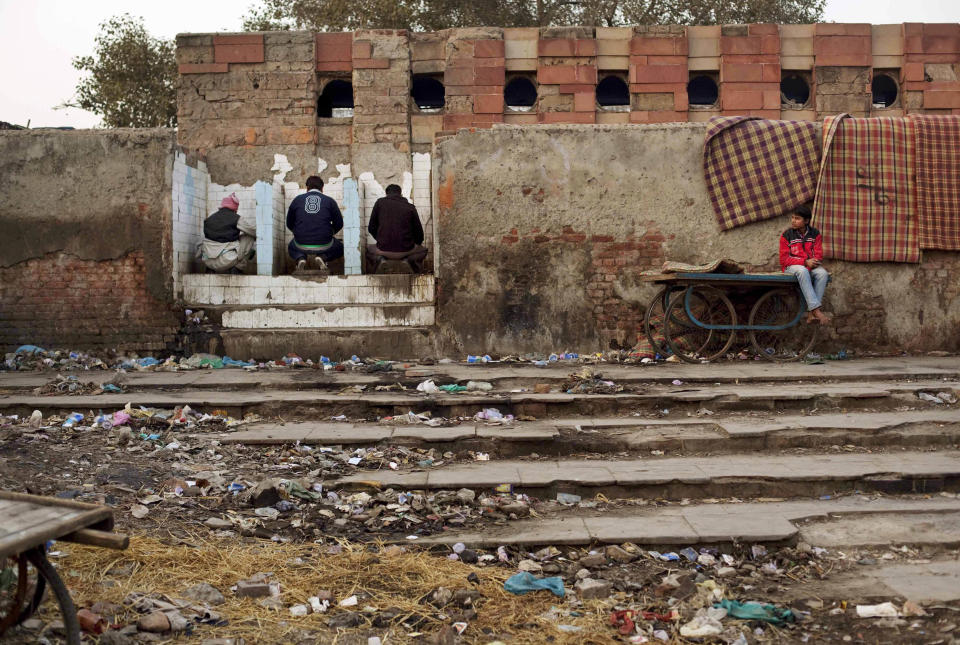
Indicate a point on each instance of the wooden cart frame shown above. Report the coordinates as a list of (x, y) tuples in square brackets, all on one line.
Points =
[(693, 317), (29, 523)]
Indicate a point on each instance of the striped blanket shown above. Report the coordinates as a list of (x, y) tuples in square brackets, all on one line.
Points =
[(938, 180), (757, 169), (865, 205)]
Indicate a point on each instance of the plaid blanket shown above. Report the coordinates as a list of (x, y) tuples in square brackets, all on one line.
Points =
[(865, 205), (757, 169), (938, 180)]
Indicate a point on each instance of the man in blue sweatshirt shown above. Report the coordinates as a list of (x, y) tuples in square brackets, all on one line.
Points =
[(314, 219)]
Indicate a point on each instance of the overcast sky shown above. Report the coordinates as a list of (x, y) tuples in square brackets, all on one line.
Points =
[(38, 39)]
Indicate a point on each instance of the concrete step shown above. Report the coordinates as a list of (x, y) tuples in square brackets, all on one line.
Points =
[(704, 524), (204, 290), (400, 342), (692, 477), (678, 400), (914, 429)]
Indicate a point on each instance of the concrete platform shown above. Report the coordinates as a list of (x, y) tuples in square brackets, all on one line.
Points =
[(753, 396), (697, 524), (693, 477)]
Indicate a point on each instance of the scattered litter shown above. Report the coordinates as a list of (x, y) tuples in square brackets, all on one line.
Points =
[(525, 582)]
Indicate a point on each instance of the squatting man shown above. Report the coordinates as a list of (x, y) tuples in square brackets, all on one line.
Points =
[(801, 254)]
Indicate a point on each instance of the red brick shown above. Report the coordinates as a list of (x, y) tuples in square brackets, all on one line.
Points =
[(770, 45), (941, 99), (556, 74), (362, 49), (949, 29), (639, 60), (203, 68), (912, 29), (764, 29), (246, 53), (843, 29), (489, 62), (584, 102), (335, 66), (573, 88), (941, 44), (765, 59), (658, 46), (771, 100), (931, 58), (658, 74), (681, 101), (585, 47), (238, 39), (487, 119), (334, 47), (771, 73), (734, 100), (489, 75), (371, 63), (648, 88), (913, 45), (913, 72), (666, 60), (740, 73), (844, 45), (488, 104), (844, 60), (557, 47), (567, 117), (457, 121), (741, 45), (488, 49), (459, 76)]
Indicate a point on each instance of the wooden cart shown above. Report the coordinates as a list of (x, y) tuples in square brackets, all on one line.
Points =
[(28, 523), (693, 317)]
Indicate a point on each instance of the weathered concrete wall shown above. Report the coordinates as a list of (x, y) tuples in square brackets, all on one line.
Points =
[(544, 232), (85, 238)]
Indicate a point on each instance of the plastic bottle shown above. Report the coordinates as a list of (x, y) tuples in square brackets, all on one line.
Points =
[(73, 420)]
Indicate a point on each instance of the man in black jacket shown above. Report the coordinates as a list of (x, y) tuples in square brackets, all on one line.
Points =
[(314, 219), (228, 238), (395, 225)]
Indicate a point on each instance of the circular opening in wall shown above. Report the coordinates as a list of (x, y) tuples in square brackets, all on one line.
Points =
[(336, 100), (702, 90), (428, 93), (613, 92), (520, 94), (885, 91), (794, 90)]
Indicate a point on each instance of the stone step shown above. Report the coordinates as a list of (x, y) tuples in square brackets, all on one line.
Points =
[(372, 341), (206, 290), (700, 524), (369, 342), (692, 477), (314, 404), (316, 316), (913, 429)]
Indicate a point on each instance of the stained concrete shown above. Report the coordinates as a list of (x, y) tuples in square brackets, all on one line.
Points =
[(555, 190), (93, 194)]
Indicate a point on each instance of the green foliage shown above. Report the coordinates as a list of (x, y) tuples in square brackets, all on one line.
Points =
[(432, 15), (132, 77)]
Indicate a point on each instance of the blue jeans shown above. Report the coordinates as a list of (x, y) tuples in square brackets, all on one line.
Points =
[(298, 253), (812, 283)]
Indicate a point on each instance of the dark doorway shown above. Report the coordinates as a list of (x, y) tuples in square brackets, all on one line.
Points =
[(702, 90), (336, 95)]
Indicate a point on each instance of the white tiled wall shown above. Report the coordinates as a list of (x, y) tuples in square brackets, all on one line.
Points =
[(421, 197), (224, 289), (189, 201), (330, 317)]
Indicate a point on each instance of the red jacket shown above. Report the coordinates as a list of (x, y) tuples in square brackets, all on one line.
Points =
[(797, 248)]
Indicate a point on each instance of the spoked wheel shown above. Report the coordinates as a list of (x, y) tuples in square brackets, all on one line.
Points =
[(653, 320), (779, 308), (23, 593), (688, 340)]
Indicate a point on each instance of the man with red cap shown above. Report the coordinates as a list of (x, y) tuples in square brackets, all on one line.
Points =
[(228, 238)]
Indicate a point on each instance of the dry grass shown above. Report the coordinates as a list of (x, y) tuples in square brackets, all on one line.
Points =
[(380, 580)]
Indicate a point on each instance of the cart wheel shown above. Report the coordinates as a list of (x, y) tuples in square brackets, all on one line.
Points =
[(780, 307), (68, 611), (16, 608), (653, 320), (690, 341)]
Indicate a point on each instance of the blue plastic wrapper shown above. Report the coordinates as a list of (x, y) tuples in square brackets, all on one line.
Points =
[(525, 582)]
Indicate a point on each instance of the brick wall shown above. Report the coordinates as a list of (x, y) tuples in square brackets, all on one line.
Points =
[(261, 89), (61, 301)]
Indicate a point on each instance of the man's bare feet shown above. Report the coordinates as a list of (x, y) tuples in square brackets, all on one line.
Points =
[(821, 317), (810, 317)]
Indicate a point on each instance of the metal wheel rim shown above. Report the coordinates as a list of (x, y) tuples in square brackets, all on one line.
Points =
[(761, 345), (705, 294)]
